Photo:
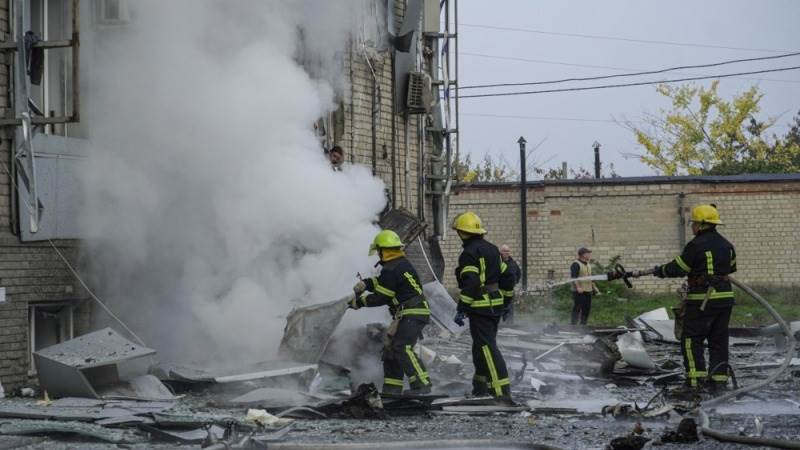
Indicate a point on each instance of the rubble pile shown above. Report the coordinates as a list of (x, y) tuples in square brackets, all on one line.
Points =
[(102, 388)]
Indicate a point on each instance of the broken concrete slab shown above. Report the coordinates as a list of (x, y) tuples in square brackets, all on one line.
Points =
[(442, 306), (37, 427), (309, 329), (631, 348), (81, 366)]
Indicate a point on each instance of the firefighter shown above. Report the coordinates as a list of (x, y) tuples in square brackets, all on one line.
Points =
[(486, 287), (399, 288), (705, 311)]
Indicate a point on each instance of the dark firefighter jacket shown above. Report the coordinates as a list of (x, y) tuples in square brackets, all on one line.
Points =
[(486, 284), (398, 287), (706, 261)]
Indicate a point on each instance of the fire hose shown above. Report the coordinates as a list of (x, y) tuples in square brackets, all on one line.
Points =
[(787, 361), (705, 427)]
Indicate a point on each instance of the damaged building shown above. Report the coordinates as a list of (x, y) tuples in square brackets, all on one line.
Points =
[(393, 117), (78, 371)]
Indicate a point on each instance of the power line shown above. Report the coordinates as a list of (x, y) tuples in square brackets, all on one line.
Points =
[(641, 83), (590, 66), (649, 72), (565, 119), (622, 39)]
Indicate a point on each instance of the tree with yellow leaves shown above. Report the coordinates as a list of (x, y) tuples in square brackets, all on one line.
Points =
[(703, 134)]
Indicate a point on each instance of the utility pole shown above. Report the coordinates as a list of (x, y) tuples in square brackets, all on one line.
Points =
[(596, 146), (523, 209)]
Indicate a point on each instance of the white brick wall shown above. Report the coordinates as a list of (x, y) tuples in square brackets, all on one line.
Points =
[(641, 223)]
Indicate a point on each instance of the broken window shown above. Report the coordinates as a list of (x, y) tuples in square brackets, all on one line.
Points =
[(49, 324)]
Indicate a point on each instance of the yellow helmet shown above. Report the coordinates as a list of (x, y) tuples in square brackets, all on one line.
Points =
[(469, 222), (706, 214), (385, 239)]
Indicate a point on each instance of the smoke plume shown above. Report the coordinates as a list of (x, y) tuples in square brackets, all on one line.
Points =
[(211, 210)]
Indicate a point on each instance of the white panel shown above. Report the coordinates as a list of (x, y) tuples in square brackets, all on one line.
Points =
[(59, 162), (430, 16)]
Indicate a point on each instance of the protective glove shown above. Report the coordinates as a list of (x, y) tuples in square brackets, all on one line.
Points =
[(359, 287), (657, 272), (353, 303), (459, 318)]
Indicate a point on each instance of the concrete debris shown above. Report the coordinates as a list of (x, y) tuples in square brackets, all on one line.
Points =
[(82, 366), (262, 418), (562, 377), (43, 427)]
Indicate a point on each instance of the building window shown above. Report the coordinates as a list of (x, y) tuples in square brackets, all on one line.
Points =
[(51, 20), (49, 324)]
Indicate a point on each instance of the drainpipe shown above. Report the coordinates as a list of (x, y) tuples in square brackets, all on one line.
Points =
[(394, 135), (374, 113), (681, 219), (407, 174)]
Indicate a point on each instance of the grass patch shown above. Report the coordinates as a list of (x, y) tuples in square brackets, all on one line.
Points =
[(616, 302)]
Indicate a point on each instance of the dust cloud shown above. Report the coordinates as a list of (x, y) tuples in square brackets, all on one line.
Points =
[(211, 210)]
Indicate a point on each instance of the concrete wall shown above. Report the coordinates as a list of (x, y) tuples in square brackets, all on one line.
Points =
[(640, 220)]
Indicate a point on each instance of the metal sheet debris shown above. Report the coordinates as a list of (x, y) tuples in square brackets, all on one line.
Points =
[(308, 330), (82, 409), (271, 369), (38, 427), (143, 387), (82, 366), (631, 347), (442, 306)]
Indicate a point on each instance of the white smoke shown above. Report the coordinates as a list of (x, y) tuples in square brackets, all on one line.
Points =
[(211, 209)]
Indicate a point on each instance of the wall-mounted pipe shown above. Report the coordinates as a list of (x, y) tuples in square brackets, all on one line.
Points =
[(681, 220)]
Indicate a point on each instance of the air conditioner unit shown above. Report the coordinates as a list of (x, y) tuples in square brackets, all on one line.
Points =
[(420, 95), (112, 12)]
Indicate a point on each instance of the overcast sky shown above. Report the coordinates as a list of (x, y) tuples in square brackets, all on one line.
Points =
[(769, 26)]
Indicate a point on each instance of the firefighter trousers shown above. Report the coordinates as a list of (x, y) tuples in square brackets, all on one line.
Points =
[(491, 375), (699, 326), (399, 358)]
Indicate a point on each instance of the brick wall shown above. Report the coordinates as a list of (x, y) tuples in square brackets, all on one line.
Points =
[(640, 220), (29, 272), (357, 130)]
